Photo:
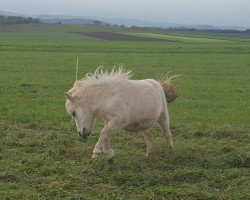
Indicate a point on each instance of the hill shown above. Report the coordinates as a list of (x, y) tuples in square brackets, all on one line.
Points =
[(62, 19)]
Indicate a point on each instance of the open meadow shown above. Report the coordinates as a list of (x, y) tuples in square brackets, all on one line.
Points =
[(41, 155)]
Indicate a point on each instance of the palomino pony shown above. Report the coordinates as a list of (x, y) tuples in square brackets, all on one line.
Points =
[(132, 105)]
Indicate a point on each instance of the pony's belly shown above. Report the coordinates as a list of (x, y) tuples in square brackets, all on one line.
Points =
[(139, 126)]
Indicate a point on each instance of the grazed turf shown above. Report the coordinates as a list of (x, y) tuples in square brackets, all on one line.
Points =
[(41, 156)]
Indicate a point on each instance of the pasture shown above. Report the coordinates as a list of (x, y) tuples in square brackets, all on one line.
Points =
[(42, 157)]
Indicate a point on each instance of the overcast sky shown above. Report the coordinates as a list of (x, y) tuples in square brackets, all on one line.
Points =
[(213, 12)]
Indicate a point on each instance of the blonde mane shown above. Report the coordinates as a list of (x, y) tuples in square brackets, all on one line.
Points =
[(101, 76)]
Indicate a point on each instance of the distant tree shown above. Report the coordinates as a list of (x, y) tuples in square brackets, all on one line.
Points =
[(97, 22), (17, 20), (247, 31), (135, 27)]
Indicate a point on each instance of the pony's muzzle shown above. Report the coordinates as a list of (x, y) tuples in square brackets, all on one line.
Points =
[(85, 133)]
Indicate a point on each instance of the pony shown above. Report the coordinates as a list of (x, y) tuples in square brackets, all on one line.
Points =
[(124, 104)]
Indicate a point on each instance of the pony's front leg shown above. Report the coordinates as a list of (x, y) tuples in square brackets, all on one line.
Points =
[(103, 144)]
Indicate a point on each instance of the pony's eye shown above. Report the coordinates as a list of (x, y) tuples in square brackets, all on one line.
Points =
[(73, 113)]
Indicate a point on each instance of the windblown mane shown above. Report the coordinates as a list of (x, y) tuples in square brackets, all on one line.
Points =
[(104, 77)]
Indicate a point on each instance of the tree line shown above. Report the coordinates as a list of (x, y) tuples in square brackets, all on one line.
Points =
[(18, 20)]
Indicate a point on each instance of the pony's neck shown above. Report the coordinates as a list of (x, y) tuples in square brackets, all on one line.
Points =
[(96, 96)]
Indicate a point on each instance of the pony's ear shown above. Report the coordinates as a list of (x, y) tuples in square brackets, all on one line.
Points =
[(69, 97)]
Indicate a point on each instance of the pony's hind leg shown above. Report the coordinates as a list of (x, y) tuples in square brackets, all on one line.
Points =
[(149, 141), (165, 126)]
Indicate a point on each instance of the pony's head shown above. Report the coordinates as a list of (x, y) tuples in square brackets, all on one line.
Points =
[(82, 114)]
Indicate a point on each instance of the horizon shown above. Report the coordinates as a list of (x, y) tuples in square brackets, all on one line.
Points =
[(129, 21), (225, 13)]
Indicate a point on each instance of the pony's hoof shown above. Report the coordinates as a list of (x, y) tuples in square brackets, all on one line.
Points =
[(95, 155), (149, 154), (111, 160), (171, 152)]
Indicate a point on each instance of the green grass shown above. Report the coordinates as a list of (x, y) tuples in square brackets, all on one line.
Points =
[(180, 38), (41, 157), (193, 38)]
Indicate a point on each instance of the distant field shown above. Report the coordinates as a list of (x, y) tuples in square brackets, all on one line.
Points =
[(111, 36), (181, 38), (41, 156)]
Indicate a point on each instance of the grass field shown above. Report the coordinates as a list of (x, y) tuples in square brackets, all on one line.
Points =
[(41, 156)]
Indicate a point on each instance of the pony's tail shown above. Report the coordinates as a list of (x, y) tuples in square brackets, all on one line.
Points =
[(168, 88)]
